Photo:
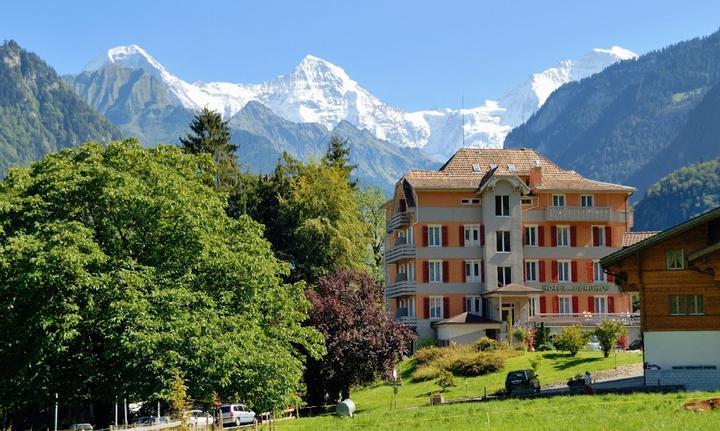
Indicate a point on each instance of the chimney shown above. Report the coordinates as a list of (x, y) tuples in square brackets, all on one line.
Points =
[(535, 174)]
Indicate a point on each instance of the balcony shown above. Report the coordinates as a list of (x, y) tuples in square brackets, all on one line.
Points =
[(398, 220), (400, 287), (583, 319), (402, 316), (400, 251), (600, 214)]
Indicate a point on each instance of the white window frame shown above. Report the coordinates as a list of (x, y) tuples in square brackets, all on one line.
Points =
[(585, 198), (473, 304), (435, 271), (683, 310), (599, 275), (601, 235), (506, 270), (411, 271), (567, 300), (410, 235), (472, 266), (560, 265), (436, 311), (600, 304), (470, 202), (502, 206), (503, 240), (526, 201), (566, 237), (531, 235), (682, 260), (531, 263), (469, 232), (691, 303), (560, 197), (431, 229), (533, 306)]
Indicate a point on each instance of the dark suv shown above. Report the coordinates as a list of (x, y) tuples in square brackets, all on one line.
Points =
[(521, 382)]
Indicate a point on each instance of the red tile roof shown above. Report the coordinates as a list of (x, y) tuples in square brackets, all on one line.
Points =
[(631, 238)]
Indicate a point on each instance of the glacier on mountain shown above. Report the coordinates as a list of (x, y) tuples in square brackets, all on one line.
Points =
[(317, 91)]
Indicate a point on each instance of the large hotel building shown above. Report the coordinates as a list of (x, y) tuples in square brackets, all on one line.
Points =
[(502, 234)]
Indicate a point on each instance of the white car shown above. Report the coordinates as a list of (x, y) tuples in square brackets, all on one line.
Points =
[(198, 418), (237, 414)]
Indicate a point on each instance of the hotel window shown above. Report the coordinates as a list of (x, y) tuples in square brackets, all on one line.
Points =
[(502, 206), (600, 303), (436, 307), (533, 306), (526, 201), (400, 238), (470, 202), (502, 241), (565, 305), (434, 236), (675, 259), (531, 235), (408, 305), (598, 233), (563, 236), (695, 305), (473, 304), (558, 200), (677, 305), (564, 274), (435, 271), (531, 270), (599, 275), (472, 271), (411, 271), (586, 201), (472, 235), (410, 235), (504, 275)]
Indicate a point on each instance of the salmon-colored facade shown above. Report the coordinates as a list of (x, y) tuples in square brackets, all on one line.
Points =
[(502, 234)]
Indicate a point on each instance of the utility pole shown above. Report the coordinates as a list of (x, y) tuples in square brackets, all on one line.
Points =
[(125, 410), (56, 411), (116, 412), (158, 411)]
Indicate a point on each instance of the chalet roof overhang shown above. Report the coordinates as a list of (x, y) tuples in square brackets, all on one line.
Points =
[(512, 289)]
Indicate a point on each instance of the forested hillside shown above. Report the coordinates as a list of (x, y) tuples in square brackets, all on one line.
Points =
[(683, 194), (38, 112), (635, 121)]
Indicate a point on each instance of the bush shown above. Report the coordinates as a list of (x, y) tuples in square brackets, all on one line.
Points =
[(425, 373), (608, 333), (479, 364), (535, 362), (521, 335), (445, 379), (571, 339), (485, 344), (427, 355)]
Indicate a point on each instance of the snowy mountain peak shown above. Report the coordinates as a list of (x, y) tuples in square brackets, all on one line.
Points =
[(130, 56), (618, 52), (315, 68)]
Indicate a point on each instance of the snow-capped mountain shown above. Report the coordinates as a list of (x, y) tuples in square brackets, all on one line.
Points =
[(317, 91)]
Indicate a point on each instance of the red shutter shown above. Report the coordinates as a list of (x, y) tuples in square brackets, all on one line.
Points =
[(589, 268), (596, 236), (543, 305), (462, 236), (446, 307), (611, 304), (464, 271), (425, 236), (426, 271), (541, 236), (446, 271), (573, 236), (482, 234), (426, 307), (556, 304), (444, 236), (524, 270), (575, 307), (610, 278), (591, 304), (541, 264), (574, 270), (553, 264), (608, 236), (482, 271), (553, 236), (464, 304)]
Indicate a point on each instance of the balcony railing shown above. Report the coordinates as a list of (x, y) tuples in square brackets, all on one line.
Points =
[(398, 220), (603, 214), (583, 319), (400, 287), (402, 316), (401, 251)]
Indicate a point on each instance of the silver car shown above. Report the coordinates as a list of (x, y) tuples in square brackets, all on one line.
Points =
[(237, 414)]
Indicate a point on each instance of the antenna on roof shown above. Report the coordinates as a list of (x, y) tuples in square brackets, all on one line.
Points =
[(462, 112)]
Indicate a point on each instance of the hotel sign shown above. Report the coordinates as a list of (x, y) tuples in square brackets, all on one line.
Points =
[(576, 287)]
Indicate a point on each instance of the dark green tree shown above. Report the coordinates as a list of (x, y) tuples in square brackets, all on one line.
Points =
[(338, 156)]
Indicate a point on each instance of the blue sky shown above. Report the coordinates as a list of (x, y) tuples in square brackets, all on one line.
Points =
[(412, 54)]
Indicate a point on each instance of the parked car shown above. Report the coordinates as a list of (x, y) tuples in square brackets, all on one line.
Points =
[(594, 344), (636, 345), (152, 420), (81, 427), (198, 418), (521, 381), (237, 414)]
